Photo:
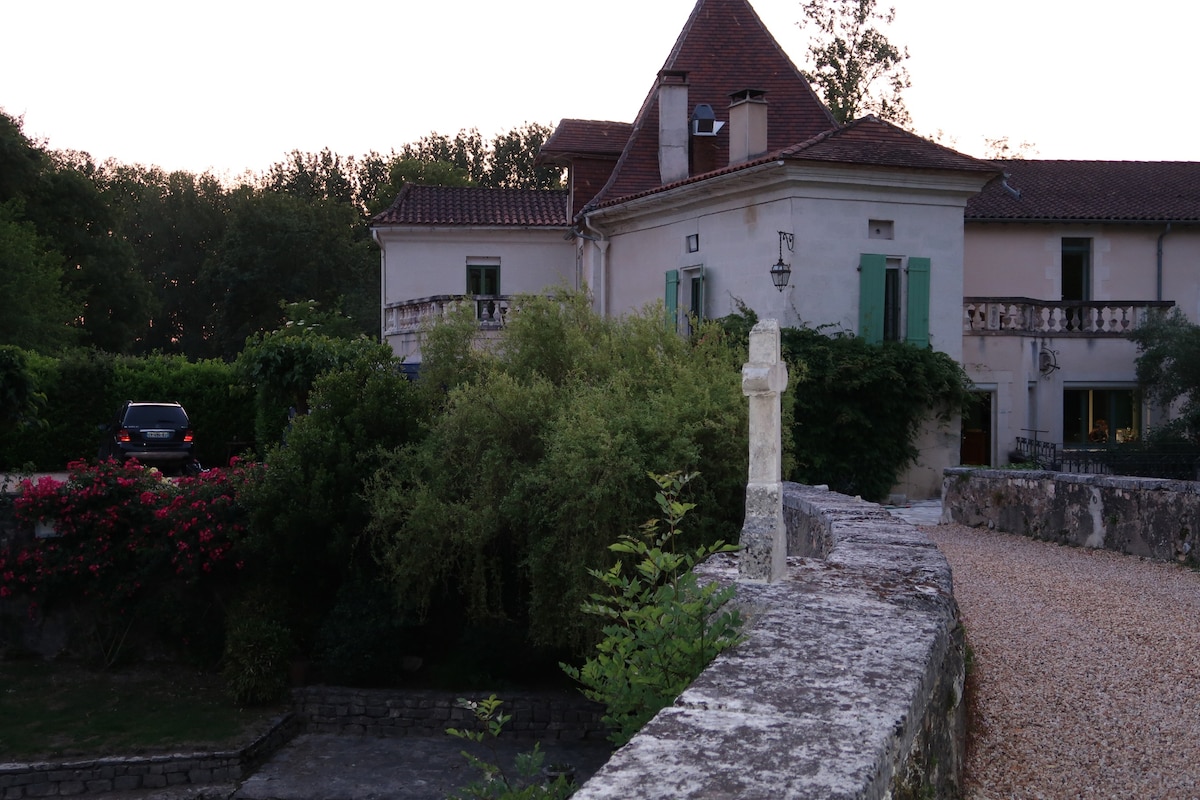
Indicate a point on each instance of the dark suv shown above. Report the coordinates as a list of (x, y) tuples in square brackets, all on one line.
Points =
[(156, 434)]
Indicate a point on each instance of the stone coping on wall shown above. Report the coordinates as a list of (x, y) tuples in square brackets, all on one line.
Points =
[(848, 685), (1149, 517)]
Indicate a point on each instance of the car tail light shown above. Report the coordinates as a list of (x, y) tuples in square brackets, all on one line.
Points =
[(187, 435), (123, 435)]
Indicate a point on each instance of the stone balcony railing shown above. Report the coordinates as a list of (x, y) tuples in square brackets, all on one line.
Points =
[(1018, 316), (413, 316)]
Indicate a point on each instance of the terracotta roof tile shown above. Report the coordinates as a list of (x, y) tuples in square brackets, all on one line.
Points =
[(472, 206), (1117, 191), (864, 142), (586, 137), (872, 142), (724, 48)]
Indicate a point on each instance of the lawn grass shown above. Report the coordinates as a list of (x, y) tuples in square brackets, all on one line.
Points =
[(59, 711)]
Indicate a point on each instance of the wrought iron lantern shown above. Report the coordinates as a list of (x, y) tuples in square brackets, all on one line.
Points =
[(781, 272)]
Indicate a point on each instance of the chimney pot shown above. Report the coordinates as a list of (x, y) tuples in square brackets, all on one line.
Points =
[(747, 125)]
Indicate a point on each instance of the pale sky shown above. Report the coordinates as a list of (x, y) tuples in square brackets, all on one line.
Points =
[(235, 86)]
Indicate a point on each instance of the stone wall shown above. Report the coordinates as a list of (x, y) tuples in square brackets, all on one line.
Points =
[(849, 683), (381, 712), (1148, 517), (143, 773)]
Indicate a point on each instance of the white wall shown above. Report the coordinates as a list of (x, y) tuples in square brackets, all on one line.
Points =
[(1025, 260), (425, 262), (828, 211)]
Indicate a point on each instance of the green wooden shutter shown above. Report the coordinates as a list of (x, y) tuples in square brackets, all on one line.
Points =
[(917, 305), (671, 298), (871, 269)]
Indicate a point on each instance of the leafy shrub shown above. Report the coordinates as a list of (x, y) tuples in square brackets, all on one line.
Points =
[(525, 781), (662, 627), (535, 454), (258, 650), (307, 508), (281, 367), (363, 638), (129, 546)]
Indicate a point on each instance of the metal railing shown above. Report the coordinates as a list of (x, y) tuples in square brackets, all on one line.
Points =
[(1024, 315), (1177, 462)]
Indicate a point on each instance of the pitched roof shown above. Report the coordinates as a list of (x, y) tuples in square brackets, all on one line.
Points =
[(586, 137), (870, 141), (1098, 191), (865, 142), (723, 48), (471, 206)]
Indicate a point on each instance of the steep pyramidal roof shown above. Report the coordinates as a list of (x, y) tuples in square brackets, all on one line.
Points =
[(723, 48)]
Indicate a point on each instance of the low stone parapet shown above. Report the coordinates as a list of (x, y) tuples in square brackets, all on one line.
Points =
[(544, 716), (1148, 517), (849, 683), (142, 773)]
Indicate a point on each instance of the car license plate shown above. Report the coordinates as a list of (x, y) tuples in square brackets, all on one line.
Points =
[(157, 434)]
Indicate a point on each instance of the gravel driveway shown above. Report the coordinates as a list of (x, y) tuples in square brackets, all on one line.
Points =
[(1087, 669)]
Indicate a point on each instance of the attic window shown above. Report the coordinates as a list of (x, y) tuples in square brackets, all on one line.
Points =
[(881, 229), (693, 242)]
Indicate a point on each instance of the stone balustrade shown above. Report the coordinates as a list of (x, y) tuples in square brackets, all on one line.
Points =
[(413, 316), (1025, 316)]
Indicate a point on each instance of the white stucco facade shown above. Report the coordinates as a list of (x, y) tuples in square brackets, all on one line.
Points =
[(424, 267), (1053, 384)]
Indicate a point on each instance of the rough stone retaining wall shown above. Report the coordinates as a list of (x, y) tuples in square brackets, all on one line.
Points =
[(849, 684), (137, 773), (1148, 517), (541, 716)]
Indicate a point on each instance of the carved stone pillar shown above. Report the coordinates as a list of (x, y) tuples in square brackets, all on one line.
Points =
[(763, 556)]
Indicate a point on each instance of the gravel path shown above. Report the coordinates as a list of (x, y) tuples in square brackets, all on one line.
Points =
[(1087, 667)]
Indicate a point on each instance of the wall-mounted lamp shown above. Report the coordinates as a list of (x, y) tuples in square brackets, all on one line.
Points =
[(780, 272), (1047, 361)]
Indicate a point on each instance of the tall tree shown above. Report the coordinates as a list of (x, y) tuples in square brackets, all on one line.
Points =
[(281, 248), (856, 69), (314, 176), (69, 210), (173, 221), (38, 312)]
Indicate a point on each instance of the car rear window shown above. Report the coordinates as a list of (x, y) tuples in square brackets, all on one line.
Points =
[(152, 416)]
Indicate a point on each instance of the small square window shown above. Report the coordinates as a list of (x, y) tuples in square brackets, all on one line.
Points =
[(881, 229), (693, 243)]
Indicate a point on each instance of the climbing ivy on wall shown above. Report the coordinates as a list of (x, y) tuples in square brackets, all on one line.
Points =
[(858, 408)]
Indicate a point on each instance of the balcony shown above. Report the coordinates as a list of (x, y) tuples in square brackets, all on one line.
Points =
[(414, 316), (1024, 316)]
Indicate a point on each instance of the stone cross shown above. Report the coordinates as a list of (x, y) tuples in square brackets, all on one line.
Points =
[(763, 556)]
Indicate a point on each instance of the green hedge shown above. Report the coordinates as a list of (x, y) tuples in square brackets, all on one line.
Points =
[(84, 388)]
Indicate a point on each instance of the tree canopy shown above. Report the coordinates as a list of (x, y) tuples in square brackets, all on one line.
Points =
[(854, 66), (1168, 369), (132, 259)]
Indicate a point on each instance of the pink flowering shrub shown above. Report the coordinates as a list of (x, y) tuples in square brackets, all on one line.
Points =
[(125, 540)]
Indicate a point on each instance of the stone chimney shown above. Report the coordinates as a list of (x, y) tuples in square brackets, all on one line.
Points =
[(747, 125), (672, 125)]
